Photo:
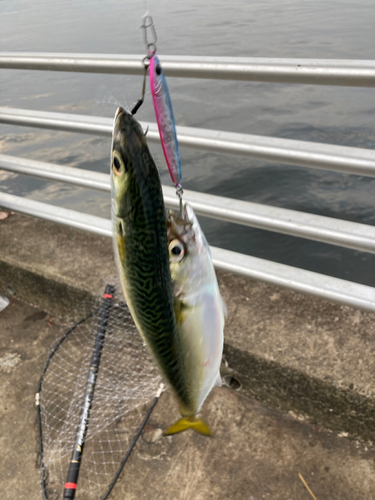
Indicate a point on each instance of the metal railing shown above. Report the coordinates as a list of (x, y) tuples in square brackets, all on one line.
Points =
[(302, 153), (306, 71), (314, 227), (299, 280), (343, 159)]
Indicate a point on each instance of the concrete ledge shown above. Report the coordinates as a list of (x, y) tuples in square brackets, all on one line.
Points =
[(52, 266), (287, 388), (298, 353)]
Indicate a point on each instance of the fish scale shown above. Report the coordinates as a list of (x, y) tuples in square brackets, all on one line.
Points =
[(141, 250)]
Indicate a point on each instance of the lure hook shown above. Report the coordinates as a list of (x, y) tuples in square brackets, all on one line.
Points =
[(140, 101), (148, 31), (149, 35)]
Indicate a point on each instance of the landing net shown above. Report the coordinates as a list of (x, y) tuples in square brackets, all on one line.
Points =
[(126, 386)]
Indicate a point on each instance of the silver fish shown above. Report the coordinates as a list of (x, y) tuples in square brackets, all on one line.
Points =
[(199, 308)]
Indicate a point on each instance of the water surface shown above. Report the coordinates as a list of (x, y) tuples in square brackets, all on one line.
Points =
[(274, 28)]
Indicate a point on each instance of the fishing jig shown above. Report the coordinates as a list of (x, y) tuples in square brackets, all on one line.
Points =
[(163, 106)]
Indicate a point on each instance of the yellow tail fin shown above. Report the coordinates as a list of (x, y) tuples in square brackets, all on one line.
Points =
[(184, 423)]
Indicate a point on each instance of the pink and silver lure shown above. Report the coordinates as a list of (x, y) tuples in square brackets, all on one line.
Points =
[(165, 119)]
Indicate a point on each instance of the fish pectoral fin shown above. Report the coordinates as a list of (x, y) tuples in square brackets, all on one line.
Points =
[(185, 423), (180, 310)]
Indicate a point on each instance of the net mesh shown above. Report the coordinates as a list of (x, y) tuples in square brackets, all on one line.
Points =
[(126, 385)]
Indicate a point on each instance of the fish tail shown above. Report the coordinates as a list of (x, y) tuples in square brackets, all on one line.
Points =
[(184, 423)]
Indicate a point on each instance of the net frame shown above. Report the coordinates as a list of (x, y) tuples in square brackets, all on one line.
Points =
[(128, 413)]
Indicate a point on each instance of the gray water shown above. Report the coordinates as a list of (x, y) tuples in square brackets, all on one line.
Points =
[(274, 28)]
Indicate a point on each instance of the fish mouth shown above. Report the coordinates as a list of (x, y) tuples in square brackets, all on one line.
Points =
[(178, 225), (119, 111)]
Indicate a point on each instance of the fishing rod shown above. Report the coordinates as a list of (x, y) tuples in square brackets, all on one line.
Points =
[(75, 462)]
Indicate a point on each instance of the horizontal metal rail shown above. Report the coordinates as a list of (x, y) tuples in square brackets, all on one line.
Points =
[(343, 159), (60, 173), (303, 71), (299, 280), (64, 216), (303, 225)]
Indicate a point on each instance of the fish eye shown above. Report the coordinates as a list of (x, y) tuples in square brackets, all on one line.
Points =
[(158, 69), (176, 251), (118, 164)]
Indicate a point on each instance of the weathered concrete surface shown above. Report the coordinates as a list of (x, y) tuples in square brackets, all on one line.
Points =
[(302, 353), (295, 352), (256, 452), (24, 342), (51, 265)]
